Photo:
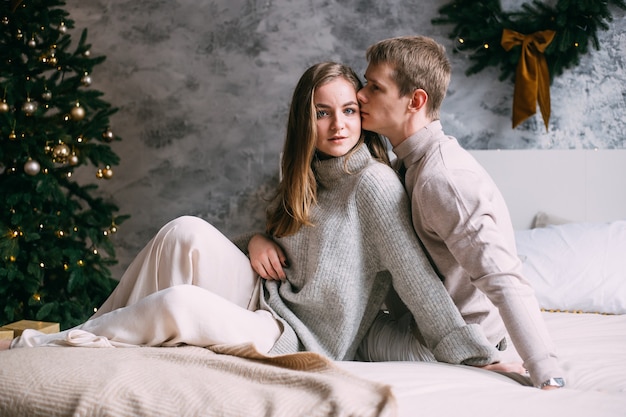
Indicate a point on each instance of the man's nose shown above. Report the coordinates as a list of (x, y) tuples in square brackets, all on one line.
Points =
[(360, 96)]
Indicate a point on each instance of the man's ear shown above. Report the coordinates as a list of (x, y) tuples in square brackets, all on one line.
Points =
[(418, 100)]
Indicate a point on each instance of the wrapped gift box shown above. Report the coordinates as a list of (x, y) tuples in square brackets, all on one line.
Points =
[(19, 326), (6, 334)]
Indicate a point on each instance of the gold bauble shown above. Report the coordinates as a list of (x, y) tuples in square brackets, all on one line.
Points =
[(4, 107), (29, 107), (107, 173), (86, 80), (73, 160), (32, 167), (60, 152), (12, 135), (108, 135), (77, 113)]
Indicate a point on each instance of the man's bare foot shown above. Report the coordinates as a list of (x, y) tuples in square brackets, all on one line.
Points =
[(5, 344)]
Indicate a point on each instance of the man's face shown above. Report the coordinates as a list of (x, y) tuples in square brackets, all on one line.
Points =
[(382, 109)]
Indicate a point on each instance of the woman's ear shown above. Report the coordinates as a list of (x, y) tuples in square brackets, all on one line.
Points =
[(418, 100)]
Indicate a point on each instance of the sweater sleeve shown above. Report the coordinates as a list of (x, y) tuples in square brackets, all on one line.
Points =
[(388, 230)]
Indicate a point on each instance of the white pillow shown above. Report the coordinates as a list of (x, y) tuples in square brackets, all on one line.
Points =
[(576, 266)]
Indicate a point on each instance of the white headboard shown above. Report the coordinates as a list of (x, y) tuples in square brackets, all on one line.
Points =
[(578, 185)]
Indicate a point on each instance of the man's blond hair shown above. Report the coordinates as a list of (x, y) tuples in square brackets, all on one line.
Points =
[(418, 62)]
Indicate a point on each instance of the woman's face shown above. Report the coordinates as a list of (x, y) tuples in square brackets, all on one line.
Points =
[(338, 118)]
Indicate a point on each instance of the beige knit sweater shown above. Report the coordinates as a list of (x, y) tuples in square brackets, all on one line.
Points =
[(462, 218)]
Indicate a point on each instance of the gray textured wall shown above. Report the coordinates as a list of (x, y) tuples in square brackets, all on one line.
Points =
[(203, 89)]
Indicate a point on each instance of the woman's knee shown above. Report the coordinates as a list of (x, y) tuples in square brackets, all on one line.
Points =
[(186, 229), (182, 299)]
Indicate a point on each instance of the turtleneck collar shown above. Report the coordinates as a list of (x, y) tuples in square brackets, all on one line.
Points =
[(329, 171)]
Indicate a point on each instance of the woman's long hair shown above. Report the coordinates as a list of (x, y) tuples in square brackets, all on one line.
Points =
[(297, 191)]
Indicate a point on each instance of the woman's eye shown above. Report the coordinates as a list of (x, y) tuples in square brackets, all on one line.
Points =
[(351, 111), (321, 113)]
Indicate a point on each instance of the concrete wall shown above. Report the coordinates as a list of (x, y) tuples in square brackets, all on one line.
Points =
[(203, 89)]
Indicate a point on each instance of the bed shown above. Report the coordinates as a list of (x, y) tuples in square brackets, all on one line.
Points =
[(569, 211)]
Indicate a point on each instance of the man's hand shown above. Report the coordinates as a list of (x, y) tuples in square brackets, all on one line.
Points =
[(267, 258), (515, 367)]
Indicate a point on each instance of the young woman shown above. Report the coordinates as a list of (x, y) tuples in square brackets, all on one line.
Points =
[(340, 217)]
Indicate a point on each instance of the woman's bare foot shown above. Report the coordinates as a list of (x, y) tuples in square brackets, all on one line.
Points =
[(5, 344)]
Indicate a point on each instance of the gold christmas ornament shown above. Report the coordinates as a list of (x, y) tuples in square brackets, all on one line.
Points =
[(73, 159), (32, 167), (99, 174), (86, 80), (77, 112), (107, 173), (108, 135), (60, 153), (29, 107), (12, 135), (32, 43), (4, 106), (46, 95)]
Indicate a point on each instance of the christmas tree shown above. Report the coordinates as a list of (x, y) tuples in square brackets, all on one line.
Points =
[(55, 248)]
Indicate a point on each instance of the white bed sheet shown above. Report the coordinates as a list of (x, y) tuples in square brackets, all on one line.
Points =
[(591, 347)]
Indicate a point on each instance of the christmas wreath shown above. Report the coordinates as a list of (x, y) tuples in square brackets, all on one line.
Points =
[(530, 46)]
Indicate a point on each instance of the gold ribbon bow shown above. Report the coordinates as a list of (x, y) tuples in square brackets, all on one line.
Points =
[(532, 79)]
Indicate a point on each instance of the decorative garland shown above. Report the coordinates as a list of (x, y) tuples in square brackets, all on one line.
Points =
[(536, 44)]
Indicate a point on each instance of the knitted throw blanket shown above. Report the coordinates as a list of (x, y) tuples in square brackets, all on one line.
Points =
[(182, 381)]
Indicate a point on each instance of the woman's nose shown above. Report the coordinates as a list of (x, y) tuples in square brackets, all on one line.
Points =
[(338, 124)]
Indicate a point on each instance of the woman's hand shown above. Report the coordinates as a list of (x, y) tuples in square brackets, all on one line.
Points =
[(267, 258)]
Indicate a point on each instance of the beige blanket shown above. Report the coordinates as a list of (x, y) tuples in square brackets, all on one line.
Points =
[(182, 381)]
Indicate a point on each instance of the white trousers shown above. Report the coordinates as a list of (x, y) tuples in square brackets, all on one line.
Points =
[(191, 285), (188, 285)]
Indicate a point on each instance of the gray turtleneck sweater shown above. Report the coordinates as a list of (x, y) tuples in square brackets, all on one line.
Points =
[(341, 269)]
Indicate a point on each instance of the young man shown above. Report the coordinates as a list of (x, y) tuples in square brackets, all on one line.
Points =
[(458, 212)]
